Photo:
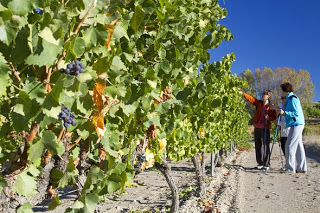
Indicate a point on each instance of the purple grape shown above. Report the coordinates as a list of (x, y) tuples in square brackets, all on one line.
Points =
[(66, 125), (70, 66), (74, 68), (61, 70)]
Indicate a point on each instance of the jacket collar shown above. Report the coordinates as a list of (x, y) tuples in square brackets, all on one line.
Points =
[(290, 94)]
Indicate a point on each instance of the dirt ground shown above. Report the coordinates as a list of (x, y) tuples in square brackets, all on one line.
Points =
[(235, 187), (277, 191)]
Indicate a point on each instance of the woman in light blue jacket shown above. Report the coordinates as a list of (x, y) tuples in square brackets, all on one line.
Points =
[(294, 148)]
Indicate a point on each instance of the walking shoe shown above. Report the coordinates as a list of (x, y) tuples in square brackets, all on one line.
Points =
[(289, 171), (298, 171), (259, 167), (266, 168)]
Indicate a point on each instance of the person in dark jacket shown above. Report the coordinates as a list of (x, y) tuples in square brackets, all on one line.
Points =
[(262, 124)]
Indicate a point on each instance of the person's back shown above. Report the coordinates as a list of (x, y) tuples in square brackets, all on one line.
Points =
[(294, 115)]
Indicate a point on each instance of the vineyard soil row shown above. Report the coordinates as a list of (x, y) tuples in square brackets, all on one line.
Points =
[(236, 187), (151, 192)]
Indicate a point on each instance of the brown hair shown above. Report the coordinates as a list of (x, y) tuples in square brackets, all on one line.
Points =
[(286, 87), (267, 92)]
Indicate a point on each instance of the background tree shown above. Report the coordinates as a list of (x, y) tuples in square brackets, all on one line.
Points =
[(272, 79)]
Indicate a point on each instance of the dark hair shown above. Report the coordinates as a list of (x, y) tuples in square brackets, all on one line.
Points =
[(286, 87)]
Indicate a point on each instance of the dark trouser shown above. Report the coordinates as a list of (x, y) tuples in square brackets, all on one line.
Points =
[(262, 147), (283, 144)]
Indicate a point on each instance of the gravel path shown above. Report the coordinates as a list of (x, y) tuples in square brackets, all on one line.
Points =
[(277, 191)]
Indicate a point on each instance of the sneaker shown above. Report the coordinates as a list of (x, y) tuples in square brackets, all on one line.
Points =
[(266, 168), (298, 171), (259, 167), (289, 171)]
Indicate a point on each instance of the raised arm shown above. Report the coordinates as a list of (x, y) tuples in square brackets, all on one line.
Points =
[(251, 99)]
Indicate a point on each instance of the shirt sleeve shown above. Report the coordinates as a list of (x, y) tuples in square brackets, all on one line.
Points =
[(295, 108), (251, 99)]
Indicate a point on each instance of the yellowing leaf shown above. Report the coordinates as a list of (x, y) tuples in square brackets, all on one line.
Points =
[(98, 101), (110, 30), (98, 124), (201, 133), (163, 143)]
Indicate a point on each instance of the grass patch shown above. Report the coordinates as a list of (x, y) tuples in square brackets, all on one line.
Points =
[(311, 129), (244, 145)]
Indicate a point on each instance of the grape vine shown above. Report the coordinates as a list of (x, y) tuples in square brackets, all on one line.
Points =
[(140, 89)]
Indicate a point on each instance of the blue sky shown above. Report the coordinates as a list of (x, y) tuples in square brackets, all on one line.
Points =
[(273, 33)]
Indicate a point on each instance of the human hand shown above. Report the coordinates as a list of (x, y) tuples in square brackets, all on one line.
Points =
[(281, 111)]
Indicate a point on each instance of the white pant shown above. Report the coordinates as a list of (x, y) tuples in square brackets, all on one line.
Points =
[(295, 150)]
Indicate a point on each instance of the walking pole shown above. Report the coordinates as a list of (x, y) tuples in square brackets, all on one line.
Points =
[(274, 139)]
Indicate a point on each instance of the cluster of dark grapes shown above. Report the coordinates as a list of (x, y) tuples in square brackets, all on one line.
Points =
[(67, 116), (141, 158), (74, 68)]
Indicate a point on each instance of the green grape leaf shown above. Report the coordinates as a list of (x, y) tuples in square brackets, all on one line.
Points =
[(77, 205), (90, 37), (56, 202), (112, 91), (75, 48), (21, 182), (21, 48), (137, 18), (129, 109), (91, 201), (8, 31), (35, 151), (47, 35), (48, 140), (117, 64), (20, 7), (120, 32), (70, 174), (5, 14), (25, 208), (4, 75), (45, 54)]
